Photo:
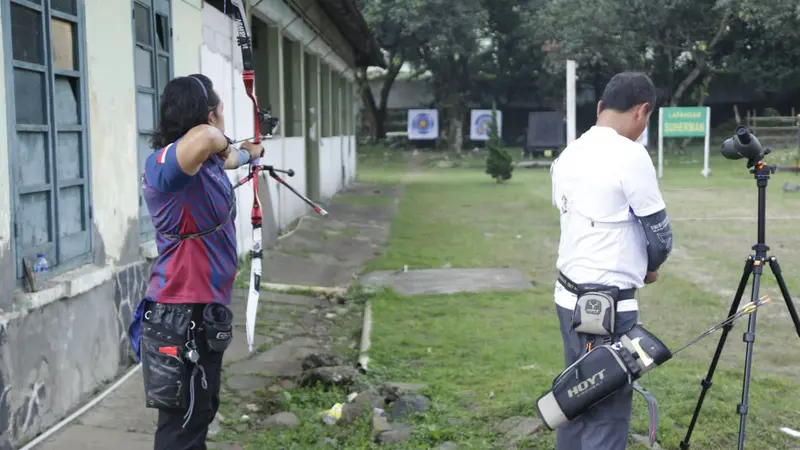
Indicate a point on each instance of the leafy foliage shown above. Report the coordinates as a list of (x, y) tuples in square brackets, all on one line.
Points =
[(449, 36), (506, 51), (683, 44), (391, 31)]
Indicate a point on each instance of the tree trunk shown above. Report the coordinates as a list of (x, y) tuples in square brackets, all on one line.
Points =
[(460, 85), (380, 124), (386, 88), (370, 108), (450, 84), (455, 135), (687, 82), (376, 112), (700, 58)]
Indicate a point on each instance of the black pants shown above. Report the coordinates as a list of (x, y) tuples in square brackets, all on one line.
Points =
[(606, 425), (171, 433)]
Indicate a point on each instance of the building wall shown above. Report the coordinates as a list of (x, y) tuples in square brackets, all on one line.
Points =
[(281, 81), (7, 278), (59, 343)]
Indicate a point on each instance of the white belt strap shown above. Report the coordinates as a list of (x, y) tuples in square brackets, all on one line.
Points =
[(611, 225)]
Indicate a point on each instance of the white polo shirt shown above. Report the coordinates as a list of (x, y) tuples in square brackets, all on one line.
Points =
[(606, 178)]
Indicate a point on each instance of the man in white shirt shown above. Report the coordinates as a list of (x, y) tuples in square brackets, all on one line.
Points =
[(614, 232)]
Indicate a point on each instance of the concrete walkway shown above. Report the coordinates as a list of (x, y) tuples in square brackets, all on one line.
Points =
[(321, 252), (449, 281)]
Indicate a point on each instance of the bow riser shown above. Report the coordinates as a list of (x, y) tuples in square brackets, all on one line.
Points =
[(248, 78)]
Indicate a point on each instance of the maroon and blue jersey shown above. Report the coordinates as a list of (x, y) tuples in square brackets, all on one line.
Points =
[(201, 269)]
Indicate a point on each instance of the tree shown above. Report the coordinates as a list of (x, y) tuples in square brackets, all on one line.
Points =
[(682, 44), (509, 67), (448, 36), (389, 26), (763, 50), (672, 40), (499, 164)]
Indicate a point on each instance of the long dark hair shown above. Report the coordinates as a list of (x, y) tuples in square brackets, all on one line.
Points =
[(185, 103)]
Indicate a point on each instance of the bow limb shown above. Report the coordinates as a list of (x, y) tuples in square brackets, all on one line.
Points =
[(248, 77)]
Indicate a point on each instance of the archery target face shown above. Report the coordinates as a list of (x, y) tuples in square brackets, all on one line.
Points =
[(423, 124), (482, 125), (481, 122)]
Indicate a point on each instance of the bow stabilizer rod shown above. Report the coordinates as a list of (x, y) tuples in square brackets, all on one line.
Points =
[(273, 172)]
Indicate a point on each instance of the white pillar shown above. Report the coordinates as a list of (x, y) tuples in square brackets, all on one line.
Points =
[(571, 66), (660, 142), (284, 109), (707, 170)]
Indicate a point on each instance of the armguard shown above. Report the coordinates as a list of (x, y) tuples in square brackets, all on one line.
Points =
[(659, 238)]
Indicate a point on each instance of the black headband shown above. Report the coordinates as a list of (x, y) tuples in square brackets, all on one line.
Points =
[(202, 86)]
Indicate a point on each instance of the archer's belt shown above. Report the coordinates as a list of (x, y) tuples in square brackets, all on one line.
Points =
[(571, 286)]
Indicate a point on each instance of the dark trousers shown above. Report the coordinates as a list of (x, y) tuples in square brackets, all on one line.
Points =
[(605, 426), (171, 433)]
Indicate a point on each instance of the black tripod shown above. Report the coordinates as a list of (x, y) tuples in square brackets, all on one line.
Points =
[(755, 266)]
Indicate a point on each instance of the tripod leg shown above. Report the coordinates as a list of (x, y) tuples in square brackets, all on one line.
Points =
[(706, 382), (787, 297), (749, 337)]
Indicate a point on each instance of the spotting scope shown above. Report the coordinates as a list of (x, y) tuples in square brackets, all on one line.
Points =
[(743, 145)]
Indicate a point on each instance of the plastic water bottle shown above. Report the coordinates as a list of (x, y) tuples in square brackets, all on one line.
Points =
[(41, 263)]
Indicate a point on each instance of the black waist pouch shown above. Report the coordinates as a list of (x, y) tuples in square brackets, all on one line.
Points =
[(164, 335), (218, 325)]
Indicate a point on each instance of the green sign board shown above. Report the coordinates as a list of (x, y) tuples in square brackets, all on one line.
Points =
[(684, 122)]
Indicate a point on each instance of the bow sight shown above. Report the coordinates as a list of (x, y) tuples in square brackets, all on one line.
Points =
[(266, 118)]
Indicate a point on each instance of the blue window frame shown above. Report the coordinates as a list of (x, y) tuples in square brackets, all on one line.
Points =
[(153, 65), (48, 132)]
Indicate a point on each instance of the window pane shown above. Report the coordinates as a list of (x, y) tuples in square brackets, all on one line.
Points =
[(163, 73), (34, 219), (161, 6), (70, 211), (335, 105), (73, 246), (144, 67), (29, 92), (144, 149), (33, 163), (145, 109), (146, 229), (65, 6), (27, 37), (144, 214), (69, 156), (141, 19), (162, 33), (66, 101), (63, 42)]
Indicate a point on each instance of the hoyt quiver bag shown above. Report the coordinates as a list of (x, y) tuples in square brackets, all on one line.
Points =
[(599, 373)]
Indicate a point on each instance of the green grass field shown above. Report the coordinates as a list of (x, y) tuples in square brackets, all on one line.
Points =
[(489, 356)]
